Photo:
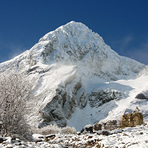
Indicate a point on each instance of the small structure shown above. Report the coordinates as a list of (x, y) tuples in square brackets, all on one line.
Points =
[(132, 120), (137, 109)]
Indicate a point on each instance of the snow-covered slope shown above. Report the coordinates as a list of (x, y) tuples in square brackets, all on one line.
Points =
[(74, 43), (78, 78)]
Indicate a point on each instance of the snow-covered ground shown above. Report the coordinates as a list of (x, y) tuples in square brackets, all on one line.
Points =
[(131, 137)]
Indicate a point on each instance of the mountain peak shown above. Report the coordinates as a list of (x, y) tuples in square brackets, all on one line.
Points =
[(74, 23), (74, 43), (72, 28), (72, 68)]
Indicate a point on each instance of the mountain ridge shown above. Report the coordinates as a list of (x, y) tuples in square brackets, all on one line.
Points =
[(76, 44), (69, 65)]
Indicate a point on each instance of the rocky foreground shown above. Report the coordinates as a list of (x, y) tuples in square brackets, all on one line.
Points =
[(120, 138)]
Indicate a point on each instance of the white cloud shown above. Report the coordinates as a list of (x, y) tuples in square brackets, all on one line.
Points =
[(123, 43), (127, 40), (10, 50), (15, 50), (129, 47), (140, 53)]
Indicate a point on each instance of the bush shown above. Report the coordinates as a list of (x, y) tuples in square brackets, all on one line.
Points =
[(50, 129), (68, 130), (14, 91), (54, 129)]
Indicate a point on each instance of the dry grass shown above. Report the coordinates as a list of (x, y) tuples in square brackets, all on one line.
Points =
[(54, 129)]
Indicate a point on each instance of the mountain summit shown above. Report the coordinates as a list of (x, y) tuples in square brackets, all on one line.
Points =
[(75, 76), (76, 44)]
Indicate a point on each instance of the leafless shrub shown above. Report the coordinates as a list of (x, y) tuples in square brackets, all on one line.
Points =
[(68, 130), (14, 91), (50, 129), (54, 129)]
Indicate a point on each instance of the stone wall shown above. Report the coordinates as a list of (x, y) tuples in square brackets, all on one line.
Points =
[(132, 120), (109, 125)]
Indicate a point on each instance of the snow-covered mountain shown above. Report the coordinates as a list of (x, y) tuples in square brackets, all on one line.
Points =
[(78, 79)]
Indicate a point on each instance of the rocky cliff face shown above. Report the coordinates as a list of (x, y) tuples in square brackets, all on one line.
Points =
[(72, 69)]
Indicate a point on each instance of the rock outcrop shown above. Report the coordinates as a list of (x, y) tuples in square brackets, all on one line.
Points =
[(141, 96), (132, 120), (61, 106), (109, 125), (98, 98)]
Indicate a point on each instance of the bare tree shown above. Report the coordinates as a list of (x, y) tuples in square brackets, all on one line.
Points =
[(14, 92)]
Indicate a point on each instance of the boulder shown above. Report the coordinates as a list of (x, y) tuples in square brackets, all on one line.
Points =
[(111, 125), (87, 129), (2, 139), (132, 120), (105, 132), (141, 96), (97, 127)]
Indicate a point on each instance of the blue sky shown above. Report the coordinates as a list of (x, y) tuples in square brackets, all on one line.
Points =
[(123, 24)]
